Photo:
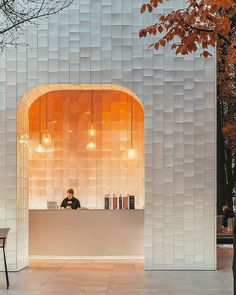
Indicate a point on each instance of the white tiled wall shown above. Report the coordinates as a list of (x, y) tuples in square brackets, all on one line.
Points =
[(97, 42)]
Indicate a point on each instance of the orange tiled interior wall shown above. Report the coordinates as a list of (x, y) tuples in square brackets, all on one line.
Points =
[(66, 162)]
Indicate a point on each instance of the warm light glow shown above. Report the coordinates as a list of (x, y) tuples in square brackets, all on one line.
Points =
[(24, 139), (100, 157), (40, 148), (47, 138), (91, 145), (132, 154), (92, 131)]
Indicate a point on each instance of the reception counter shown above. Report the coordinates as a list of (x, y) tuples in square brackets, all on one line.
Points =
[(88, 234)]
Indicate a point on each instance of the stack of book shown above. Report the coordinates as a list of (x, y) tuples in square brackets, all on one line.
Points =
[(114, 202)]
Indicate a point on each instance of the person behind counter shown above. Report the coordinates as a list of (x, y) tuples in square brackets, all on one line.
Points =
[(70, 202), (227, 213)]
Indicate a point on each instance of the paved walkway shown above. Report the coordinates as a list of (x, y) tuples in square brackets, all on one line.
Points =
[(48, 277)]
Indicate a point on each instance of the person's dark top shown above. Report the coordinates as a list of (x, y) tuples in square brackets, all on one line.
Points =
[(73, 203), (228, 213)]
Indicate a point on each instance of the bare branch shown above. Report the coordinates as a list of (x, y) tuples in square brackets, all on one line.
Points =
[(15, 13)]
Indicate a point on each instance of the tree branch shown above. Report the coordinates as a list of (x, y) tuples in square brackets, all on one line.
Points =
[(15, 15)]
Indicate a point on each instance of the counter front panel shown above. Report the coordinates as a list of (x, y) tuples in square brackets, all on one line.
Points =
[(86, 233)]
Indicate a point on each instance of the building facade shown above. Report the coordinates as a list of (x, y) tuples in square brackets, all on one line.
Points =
[(97, 42)]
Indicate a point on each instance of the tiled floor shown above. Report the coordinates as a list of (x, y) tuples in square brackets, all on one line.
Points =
[(118, 278)]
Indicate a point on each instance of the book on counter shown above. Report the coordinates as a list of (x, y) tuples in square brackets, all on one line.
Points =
[(132, 202), (120, 202), (114, 202), (107, 202), (125, 202)]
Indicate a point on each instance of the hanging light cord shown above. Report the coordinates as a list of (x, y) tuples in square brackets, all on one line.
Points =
[(40, 120), (131, 122), (46, 113), (92, 107)]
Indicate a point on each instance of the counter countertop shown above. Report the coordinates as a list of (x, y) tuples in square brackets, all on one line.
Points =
[(86, 210)]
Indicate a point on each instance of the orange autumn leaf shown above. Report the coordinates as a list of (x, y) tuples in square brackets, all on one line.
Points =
[(163, 42), (154, 31), (160, 29), (154, 4), (156, 45), (178, 50), (184, 50), (143, 8), (149, 6), (206, 53), (173, 46)]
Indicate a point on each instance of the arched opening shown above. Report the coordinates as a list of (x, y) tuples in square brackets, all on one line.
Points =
[(66, 113)]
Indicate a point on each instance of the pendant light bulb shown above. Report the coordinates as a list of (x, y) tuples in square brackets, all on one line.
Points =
[(40, 149), (26, 139), (91, 145), (21, 139), (46, 138), (92, 131), (131, 154)]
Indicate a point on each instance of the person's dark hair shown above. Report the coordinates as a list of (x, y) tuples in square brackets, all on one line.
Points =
[(70, 191)]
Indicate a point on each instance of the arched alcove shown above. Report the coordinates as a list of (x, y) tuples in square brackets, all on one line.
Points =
[(121, 99)]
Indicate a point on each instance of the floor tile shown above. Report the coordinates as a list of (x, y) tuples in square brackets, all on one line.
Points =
[(91, 277)]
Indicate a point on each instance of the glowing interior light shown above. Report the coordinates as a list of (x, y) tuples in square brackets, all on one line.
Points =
[(26, 139), (40, 148), (131, 153), (22, 139), (47, 138), (91, 145), (92, 131)]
